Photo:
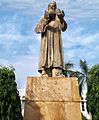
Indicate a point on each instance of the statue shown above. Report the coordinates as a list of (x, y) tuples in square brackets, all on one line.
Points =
[(51, 61)]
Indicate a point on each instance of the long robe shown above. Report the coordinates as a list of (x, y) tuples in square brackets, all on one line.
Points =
[(51, 50)]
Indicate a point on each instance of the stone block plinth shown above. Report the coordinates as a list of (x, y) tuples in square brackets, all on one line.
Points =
[(52, 98)]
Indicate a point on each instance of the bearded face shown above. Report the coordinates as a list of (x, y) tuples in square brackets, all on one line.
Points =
[(52, 6)]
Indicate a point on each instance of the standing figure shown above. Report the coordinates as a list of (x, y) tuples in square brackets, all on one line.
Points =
[(51, 61)]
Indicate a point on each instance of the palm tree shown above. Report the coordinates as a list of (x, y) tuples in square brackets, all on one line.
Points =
[(83, 76), (84, 67), (68, 66)]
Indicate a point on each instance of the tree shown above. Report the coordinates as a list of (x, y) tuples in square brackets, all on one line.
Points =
[(93, 92), (67, 72), (88, 81), (83, 76), (10, 105)]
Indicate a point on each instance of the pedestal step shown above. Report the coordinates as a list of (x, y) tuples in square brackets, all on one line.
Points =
[(52, 98)]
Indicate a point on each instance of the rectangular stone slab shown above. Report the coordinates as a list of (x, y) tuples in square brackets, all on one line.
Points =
[(52, 89), (52, 111)]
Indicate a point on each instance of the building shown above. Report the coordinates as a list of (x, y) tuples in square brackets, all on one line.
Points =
[(22, 98)]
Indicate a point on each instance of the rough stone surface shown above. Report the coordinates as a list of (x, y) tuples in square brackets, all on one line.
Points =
[(45, 111), (52, 89), (72, 111), (52, 111), (52, 99)]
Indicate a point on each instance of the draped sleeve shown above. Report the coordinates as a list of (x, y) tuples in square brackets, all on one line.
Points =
[(63, 26), (41, 25)]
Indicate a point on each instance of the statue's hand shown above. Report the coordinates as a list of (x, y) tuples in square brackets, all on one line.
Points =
[(47, 21), (63, 14), (60, 17), (60, 14), (46, 15)]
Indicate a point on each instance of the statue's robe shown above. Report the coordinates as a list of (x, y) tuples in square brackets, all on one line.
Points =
[(51, 50)]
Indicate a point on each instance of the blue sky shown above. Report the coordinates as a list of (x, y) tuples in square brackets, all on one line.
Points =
[(19, 44)]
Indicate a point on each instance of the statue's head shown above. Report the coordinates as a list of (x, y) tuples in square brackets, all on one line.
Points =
[(52, 5)]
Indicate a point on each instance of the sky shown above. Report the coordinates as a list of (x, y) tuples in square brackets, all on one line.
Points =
[(19, 44)]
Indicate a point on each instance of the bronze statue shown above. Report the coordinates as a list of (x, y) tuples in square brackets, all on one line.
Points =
[(51, 61)]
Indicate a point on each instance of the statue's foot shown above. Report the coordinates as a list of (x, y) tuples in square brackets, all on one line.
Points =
[(56, 72), (44, 74)]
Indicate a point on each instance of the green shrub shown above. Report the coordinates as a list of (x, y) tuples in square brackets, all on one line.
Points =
[(10, 105)]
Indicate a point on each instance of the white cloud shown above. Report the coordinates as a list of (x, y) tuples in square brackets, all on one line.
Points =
[(81, 46), (24, 66), (78, 42), (91, 2), (10, 37), (0, 4), (80, 9), (4, 62), (73, 9), (11, 29), (15, 43), (70, 54), (73, 38), (14, 2)]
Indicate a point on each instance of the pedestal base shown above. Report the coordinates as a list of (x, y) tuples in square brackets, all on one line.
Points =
[(52, 98)]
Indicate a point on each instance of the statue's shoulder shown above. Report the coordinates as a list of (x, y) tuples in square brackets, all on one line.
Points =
[(42, 18)]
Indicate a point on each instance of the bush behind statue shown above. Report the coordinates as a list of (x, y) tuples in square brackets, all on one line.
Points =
[(10, 105)]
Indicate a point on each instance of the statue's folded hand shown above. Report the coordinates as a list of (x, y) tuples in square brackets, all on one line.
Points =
[(46, 15)]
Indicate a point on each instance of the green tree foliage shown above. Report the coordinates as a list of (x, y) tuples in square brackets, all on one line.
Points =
[(68, 72), (83, 118), (84, 67), (92, 78), (93, 92), (10, 105), (83, 75)]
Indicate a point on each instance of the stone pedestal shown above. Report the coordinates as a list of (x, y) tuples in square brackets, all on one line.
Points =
[(52, 98)]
